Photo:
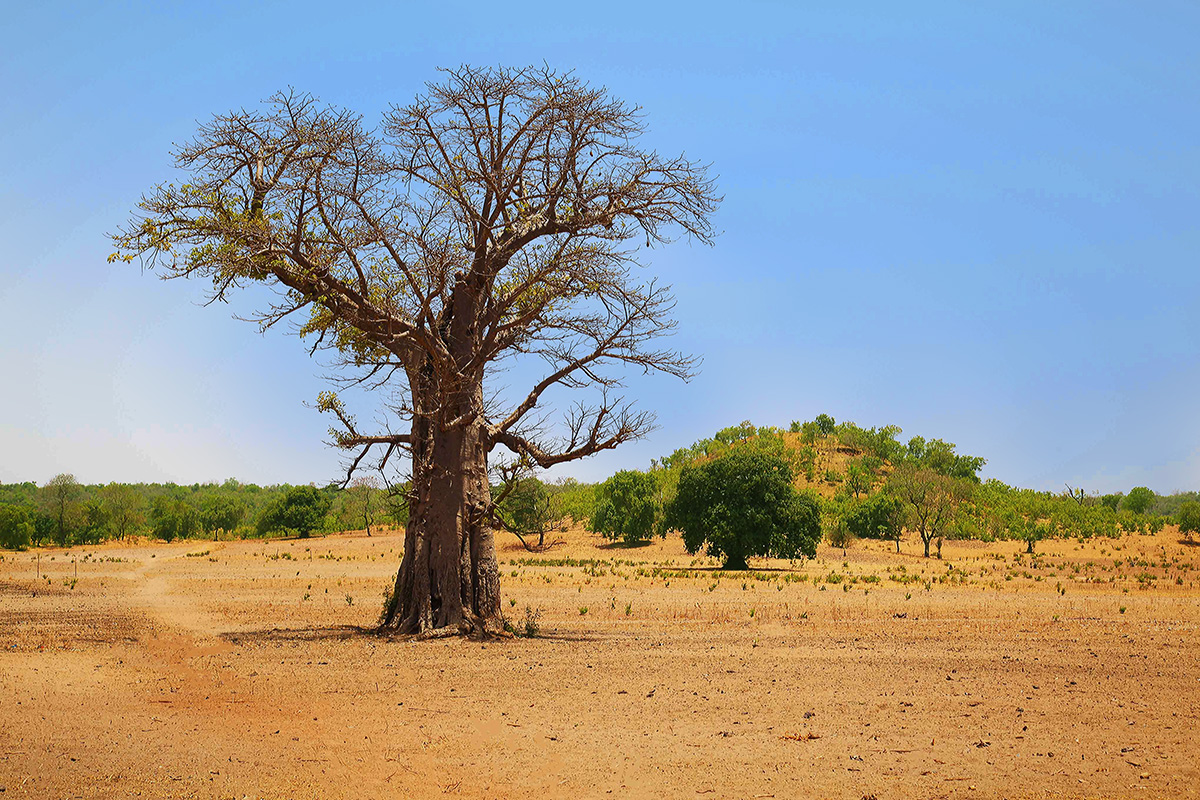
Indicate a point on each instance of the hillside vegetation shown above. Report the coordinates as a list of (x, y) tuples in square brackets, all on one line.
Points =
[(871, 485)]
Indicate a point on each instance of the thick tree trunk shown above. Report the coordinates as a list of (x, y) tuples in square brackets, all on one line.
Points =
[(449, 581)]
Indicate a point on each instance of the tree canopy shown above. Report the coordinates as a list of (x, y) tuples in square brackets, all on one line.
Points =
[(743, 504), (301, 509), (627, 507), (1138, 500), (1188, 518)]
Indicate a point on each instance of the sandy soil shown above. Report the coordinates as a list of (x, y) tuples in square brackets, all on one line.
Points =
[(247, 669)]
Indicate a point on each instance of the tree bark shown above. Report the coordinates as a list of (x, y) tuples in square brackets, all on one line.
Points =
[(449, 581)]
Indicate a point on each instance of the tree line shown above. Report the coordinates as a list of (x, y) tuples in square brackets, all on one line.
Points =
[(746, 491), (65, 512)]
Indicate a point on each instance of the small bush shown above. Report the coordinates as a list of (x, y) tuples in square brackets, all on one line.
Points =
[(533, 621)]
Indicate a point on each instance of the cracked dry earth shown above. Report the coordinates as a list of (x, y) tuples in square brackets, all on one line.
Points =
[(247, 669)]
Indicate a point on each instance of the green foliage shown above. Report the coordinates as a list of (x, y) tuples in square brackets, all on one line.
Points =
[(529, 510), (1188, 518), (61, 501), (126, 509), (16, 526), (1138, 500), (825, 424), (879, 444), (1032, 530), (627, 507), (395, 503), (301, 509), (172, 517), (737, 433), (528, 506), (221, 512), (931, 500), (1129, 521), (96, 522), (1111, 501), (744, 504), (940, 457), (360, 506), (837, 533), (118, 510), (809, 432), (879, 516), (574, 499)]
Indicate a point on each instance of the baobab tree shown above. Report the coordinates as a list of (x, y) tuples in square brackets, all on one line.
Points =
[(496, 218)]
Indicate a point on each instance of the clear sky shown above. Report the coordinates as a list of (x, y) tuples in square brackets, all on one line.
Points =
[(977, 221)]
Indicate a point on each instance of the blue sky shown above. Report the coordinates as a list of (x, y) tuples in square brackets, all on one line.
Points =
[(975, 221)]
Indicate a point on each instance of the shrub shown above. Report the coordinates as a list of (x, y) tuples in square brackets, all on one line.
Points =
[(838, 534), (1188, 518)]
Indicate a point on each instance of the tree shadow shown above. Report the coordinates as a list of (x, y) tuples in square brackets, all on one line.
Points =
[(325, 633), (752, 568), (571, 636), (619, 545), (1189, 543)]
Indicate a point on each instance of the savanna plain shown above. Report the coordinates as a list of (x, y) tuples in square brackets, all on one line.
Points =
[(251, 669)]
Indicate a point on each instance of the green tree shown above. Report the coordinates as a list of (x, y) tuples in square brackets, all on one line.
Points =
[(362, 503), (493, 220), (930, 500), (301, 509), (16, 526), (809, 432), (859, 479), (627, 507), (527, 509), (940, 457), (825, 424), (1188, 518), (126, 508), (744, 504), (61, 500), (1032, 530), (221, 511), (172, 517), (1139, 500), (574, 499), (837, 532), (880, 516), (737, 433), (96, 521)]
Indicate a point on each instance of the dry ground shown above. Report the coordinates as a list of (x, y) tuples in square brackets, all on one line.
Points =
[(247, 669)]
